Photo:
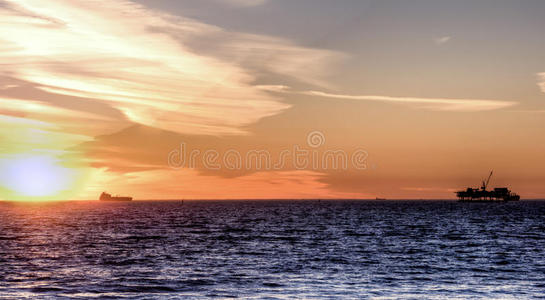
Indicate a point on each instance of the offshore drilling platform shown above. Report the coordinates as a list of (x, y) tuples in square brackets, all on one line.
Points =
[(484, 195)]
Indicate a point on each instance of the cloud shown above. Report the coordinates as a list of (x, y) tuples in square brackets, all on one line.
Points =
[(261, 55), (541, 81), (41, 110), (428, 189), (188, 182), (244, 3), (148, 65), (72, 70), (274, 88), (442, 40), (444, 104)]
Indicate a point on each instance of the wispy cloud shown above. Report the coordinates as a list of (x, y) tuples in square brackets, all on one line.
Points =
[(442, 40), (146, 65), (428, 189), (541, 81), (274, 88), (428, 103), (41, 110), (260, 54), (244, 3), (446, 104)]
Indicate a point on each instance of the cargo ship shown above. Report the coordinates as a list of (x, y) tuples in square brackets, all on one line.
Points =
[(483, 195), (107, 197)]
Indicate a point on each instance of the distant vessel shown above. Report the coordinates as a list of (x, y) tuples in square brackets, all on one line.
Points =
[(380, 198), (483, 195), (107, 197)]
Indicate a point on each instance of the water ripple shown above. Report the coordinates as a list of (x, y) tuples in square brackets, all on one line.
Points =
[(272, 249)]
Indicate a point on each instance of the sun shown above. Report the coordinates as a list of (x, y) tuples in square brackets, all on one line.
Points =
[(31, 177)]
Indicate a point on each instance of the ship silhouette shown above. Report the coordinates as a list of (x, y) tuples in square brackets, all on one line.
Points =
[(483, 195), (107, 197)]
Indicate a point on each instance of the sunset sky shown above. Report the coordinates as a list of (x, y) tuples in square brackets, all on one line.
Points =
[(98, 95)]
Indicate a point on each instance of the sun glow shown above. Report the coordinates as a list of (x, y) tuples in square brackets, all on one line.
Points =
[(36, 177)]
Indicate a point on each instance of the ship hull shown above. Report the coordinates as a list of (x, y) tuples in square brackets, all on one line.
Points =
[(121, 199)]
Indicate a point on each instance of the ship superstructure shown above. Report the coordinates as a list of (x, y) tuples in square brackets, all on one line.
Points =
[(107, 197)]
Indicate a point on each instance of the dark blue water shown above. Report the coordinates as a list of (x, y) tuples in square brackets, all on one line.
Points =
[(273, 249)]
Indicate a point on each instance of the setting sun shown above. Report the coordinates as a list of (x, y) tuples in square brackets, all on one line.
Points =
[(35, 177)]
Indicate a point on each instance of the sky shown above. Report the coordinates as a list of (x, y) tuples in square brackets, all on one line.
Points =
[(255, 99)]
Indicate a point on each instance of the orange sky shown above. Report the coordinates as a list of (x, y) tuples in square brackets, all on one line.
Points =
[(98, 96)]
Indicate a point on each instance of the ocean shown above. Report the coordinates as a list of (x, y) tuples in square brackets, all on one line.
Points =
[(298, 249)]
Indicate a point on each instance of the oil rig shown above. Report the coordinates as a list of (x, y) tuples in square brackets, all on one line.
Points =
[(484, 195)]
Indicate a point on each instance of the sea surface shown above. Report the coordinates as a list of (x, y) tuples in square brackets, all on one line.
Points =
[(272, 249)]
